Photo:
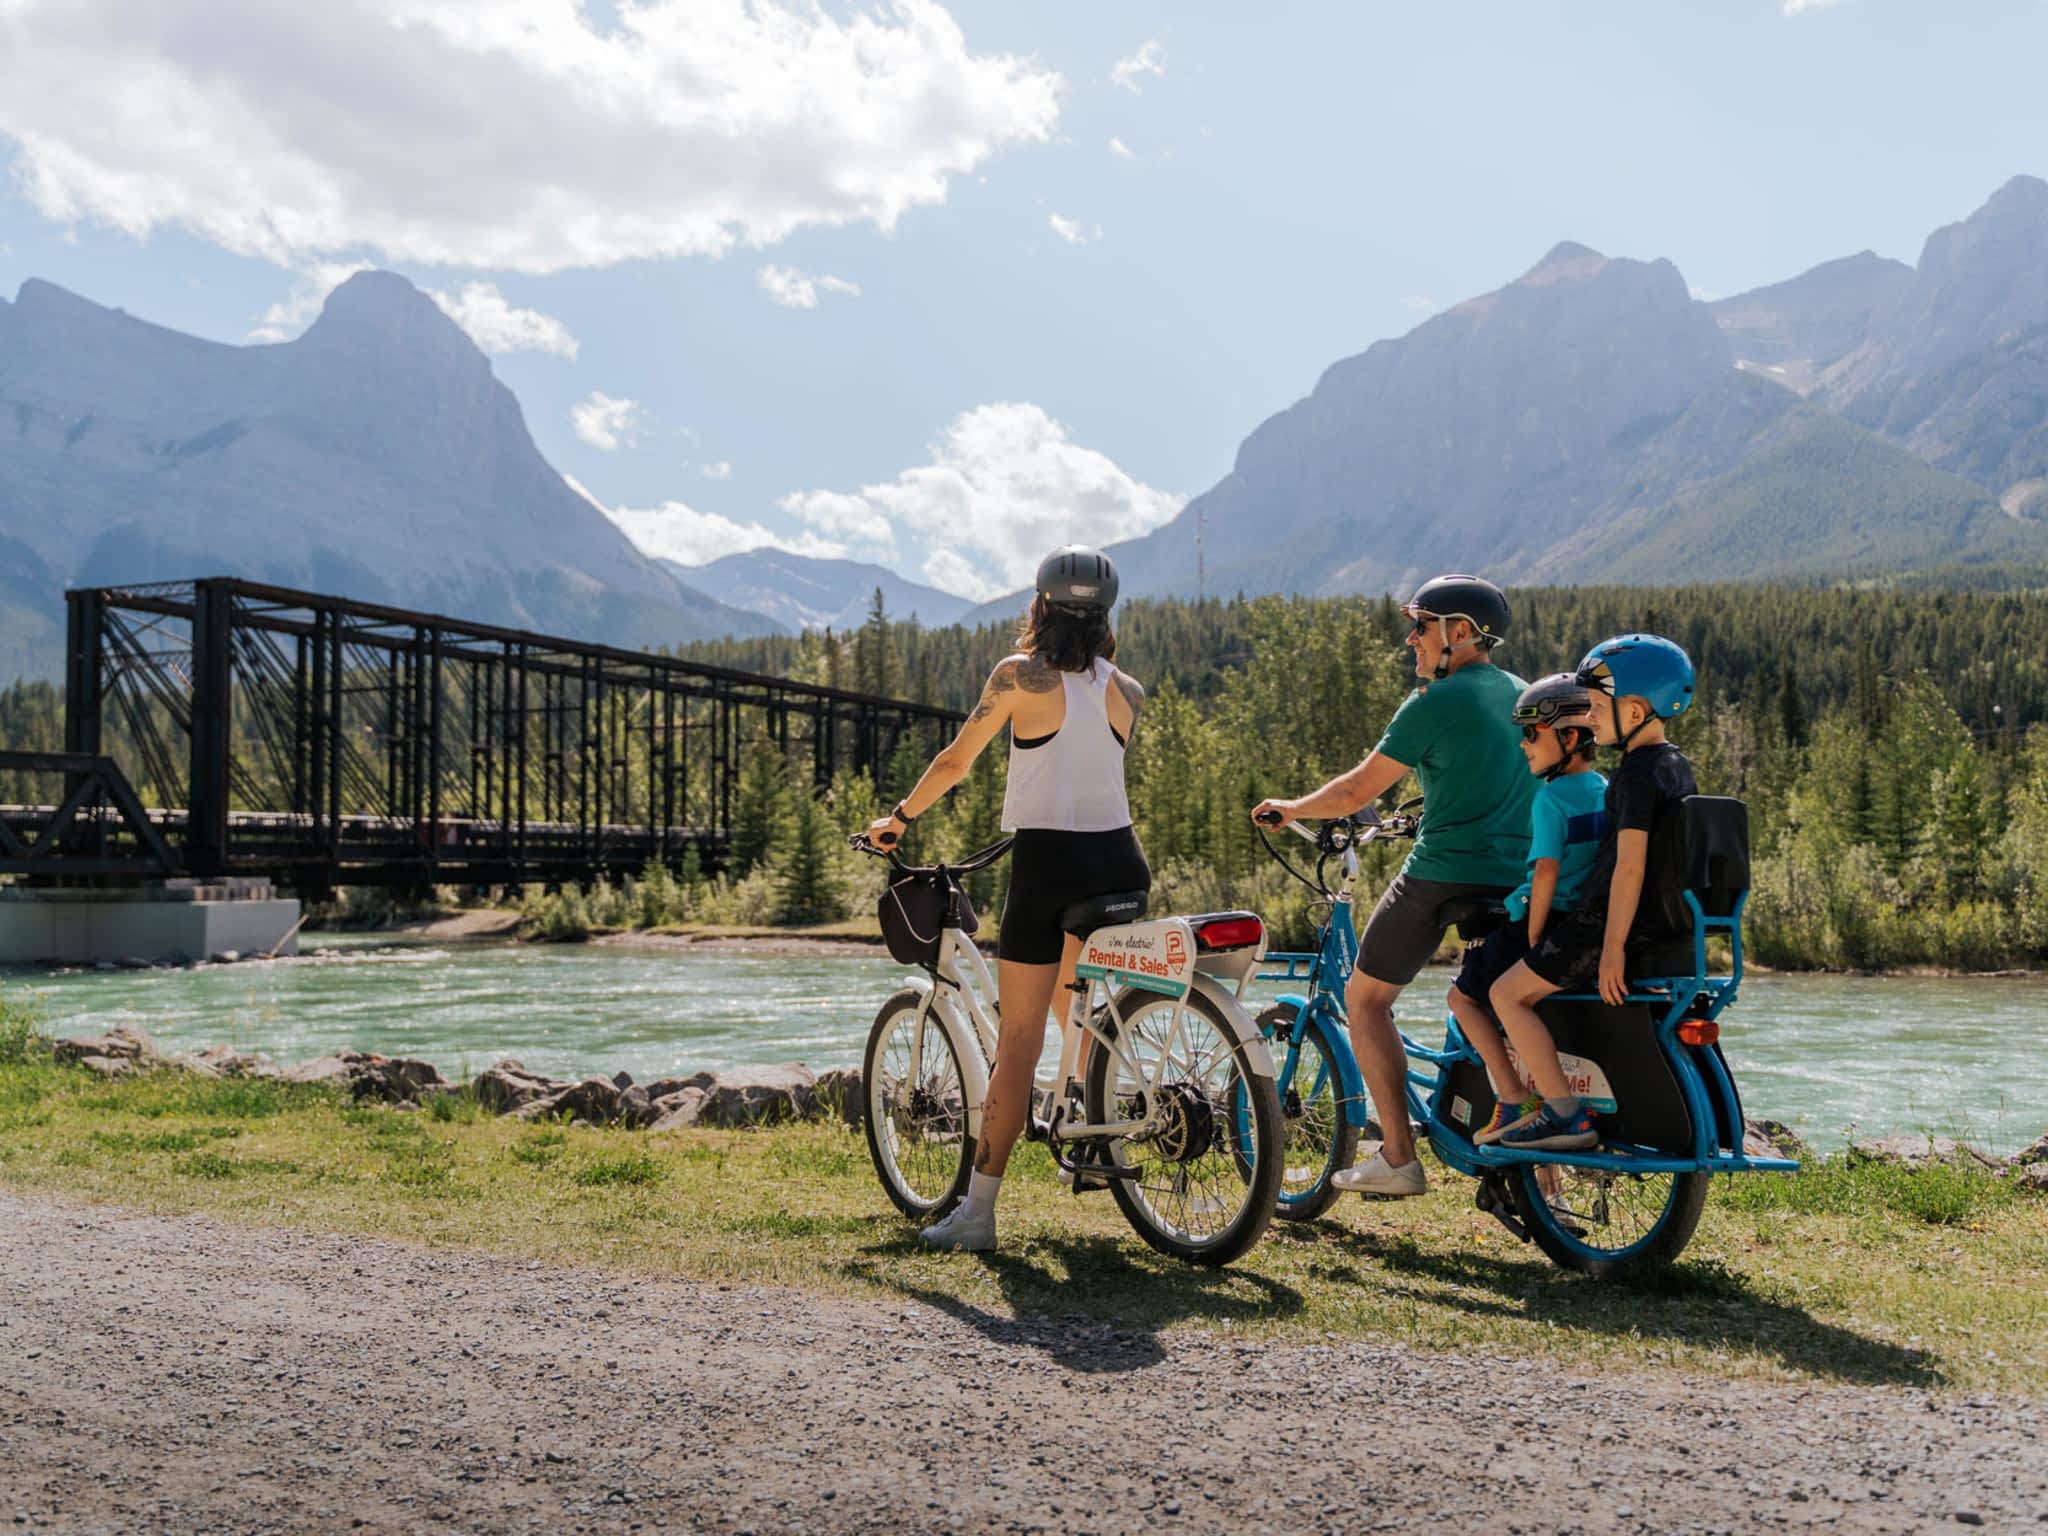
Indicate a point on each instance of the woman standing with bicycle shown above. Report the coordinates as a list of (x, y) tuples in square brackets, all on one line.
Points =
[(1070, 714)]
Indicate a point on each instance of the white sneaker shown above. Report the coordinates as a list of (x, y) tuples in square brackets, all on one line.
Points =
[(963, 1232), (1382, 1180)]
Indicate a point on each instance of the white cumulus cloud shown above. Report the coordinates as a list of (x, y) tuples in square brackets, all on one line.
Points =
[(494, 325), (1121, 150), (1004, 485), (1073, 231), (1794, 7), (722, 470), (606, 423), (679, 532), (795, 289), (516, 135), (1422, 304), (1128, 73)]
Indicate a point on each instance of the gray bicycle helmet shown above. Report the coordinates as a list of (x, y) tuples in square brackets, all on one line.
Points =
[(1561, 702), (1078, 576), (1559, 699)]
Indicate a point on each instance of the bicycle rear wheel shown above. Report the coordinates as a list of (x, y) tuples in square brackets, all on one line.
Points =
[(916, 1125), (1207, 1177), (1320, 1138), (1602, 1223)]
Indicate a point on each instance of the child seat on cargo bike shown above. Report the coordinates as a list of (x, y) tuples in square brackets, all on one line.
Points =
[(1651, 1070)]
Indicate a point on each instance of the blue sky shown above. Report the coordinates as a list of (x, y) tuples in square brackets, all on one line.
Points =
[(941, 284)]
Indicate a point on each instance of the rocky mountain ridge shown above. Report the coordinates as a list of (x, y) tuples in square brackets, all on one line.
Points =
[(376, 456), (1591, 421)]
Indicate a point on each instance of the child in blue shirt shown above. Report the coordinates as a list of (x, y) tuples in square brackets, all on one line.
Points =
[(1565, 823)]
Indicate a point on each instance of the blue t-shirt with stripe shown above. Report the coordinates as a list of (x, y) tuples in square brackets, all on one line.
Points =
[(1566, 822)]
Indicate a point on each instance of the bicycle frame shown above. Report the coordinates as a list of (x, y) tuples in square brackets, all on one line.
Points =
[(1326, 971), (964, 997)]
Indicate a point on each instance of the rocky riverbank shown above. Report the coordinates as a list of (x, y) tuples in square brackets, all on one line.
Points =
[(762, 1096)]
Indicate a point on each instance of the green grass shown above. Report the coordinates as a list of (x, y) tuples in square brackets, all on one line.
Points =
[(1842, 1273)]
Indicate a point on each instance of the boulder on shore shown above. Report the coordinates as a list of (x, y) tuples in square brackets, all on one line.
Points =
[(509, 1086), (678, 1111), (124, 1042), (2033, 1177), (758, 1096), (1916, 1152), (838, 1093), (2034, 1156), (594, 1101), (1773, 1138)]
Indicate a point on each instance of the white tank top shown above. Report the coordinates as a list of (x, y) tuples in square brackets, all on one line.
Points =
[(1073, 782)]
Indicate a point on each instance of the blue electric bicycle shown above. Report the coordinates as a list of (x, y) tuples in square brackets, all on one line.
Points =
[(1652, 1070)]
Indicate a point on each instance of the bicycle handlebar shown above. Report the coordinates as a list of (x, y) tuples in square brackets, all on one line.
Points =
[(967, 866)]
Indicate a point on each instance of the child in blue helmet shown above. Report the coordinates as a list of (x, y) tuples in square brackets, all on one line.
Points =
[(1638, 682)]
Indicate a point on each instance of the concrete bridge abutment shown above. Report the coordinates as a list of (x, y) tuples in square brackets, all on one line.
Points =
[(162, 921)]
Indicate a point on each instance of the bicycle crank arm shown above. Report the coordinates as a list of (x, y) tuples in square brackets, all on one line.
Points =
[(1091, 1170)]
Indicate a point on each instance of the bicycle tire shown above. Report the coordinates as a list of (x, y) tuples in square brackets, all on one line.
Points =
[(1663, 1211), (1320, 1138), (917, 1133), (1202, 1147)]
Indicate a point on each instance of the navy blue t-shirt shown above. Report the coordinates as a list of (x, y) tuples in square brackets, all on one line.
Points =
[(1644, 781)]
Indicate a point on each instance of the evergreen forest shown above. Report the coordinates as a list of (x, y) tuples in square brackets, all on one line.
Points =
[(1891, 742)]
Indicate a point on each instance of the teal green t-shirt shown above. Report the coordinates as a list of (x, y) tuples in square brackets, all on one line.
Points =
[(1460, 737), (1566, 823)]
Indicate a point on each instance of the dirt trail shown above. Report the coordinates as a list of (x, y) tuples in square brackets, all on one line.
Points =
[(184, 1375)]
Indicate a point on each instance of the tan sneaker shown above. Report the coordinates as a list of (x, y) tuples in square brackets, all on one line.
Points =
[(1382, 1180)]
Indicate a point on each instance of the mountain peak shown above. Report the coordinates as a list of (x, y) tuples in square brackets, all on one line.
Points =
[(382, 309), (1566, 262)]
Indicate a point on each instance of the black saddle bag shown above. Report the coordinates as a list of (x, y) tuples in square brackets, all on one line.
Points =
[(915, 912)]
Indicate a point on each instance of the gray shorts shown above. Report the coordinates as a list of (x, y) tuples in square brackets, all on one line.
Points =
[(1404, 930)]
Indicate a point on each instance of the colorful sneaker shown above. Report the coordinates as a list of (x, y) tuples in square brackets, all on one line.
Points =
[(1381, 1180), (963, 1232), (1549, 1131), (1506, 1116)]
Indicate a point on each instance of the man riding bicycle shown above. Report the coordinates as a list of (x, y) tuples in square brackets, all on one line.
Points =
[(1457, 733)]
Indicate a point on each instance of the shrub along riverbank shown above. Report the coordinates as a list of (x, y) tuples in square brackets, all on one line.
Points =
[(1850, 1271)]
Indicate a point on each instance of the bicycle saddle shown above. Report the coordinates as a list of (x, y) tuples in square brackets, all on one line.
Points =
[(1473, 916), (1084, 917)]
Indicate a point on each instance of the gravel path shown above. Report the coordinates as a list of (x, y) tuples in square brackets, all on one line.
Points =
[(185, 1375)]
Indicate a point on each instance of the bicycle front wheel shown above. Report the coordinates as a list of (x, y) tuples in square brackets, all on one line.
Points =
[(1320, 1137), (1602, 1223), (916, 1120), (1205, 1180)]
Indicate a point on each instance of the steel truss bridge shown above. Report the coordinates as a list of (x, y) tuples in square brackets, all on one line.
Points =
[(223, 727)]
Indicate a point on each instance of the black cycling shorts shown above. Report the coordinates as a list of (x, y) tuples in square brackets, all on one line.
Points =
[(1490, 959), (1049, 872)]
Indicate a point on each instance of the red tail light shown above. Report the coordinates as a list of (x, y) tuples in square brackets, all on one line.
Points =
[(1238, 931), (1699, 1031)]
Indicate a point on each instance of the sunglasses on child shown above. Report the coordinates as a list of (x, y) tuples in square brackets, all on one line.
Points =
[(1531, 732)]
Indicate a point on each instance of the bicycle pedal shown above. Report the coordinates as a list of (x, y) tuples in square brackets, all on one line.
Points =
[(1494, 1199)]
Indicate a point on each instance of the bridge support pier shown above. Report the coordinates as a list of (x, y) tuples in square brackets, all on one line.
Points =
[(173, 921)]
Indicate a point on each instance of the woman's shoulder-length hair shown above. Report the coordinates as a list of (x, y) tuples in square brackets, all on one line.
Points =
[(1066, 638)]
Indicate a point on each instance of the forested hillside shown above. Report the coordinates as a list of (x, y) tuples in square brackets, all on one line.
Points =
[(1891, 743)]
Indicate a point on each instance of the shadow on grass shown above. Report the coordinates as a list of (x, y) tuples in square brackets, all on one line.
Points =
[(1700, 1303), (1130, 1295)]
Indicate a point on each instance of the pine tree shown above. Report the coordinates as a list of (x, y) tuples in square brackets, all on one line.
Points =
[(764, 809), (809, 890)]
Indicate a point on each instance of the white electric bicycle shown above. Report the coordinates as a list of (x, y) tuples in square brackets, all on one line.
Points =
[(1173, 1108)]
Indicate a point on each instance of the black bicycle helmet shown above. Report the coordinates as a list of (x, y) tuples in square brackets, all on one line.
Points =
[(1471, 598), (1078, 576)]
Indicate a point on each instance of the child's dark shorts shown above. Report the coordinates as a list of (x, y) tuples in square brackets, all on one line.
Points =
[(1568, 954), (1492, 958)]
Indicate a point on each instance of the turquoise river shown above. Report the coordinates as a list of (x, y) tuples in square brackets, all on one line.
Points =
[(1831, 1055)]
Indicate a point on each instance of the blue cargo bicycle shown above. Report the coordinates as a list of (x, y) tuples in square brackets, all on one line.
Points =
[(1652, 1069)]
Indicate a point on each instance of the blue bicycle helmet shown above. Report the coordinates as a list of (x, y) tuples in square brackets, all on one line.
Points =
[(1644, 667)]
